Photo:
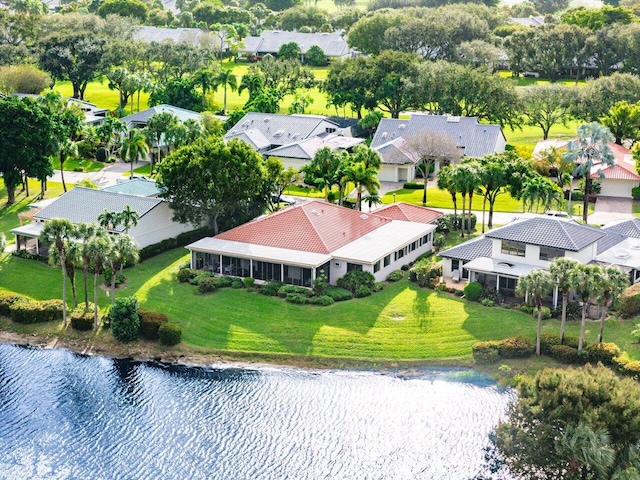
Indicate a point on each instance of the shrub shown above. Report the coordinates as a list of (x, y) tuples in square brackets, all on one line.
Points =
[(170, 334), (150, 322), (548, 340), (413, 186), (222, 282), (405, 267), (472, 291), (200, 276), (125, 323), (572, 341), (338, 294), (490, 293), (320, 284), (566, 354), (6, 300), (379, 286), (237, 284), (458, 293), (157, 248), (528, 309), (440, 287), (395, 276), (486, 352), (425, 273), (206, 285), (271, 288), (355, 279), (487, 302), (635, 193), (632, 368), (629, 302), (362, 291), (322, 300), (296, 298), (249, 282), (515, 347), (187, 274), (33, 311), (106, 318), (439, 241), (82, 319), (287, 289), (603, 352)]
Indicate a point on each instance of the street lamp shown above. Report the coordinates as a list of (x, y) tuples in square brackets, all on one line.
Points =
[(394, 198)]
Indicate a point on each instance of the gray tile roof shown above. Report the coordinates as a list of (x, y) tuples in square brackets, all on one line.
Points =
[(137, 186), (628, 228), (467, 251), (253, 137), (307, 148), (176, 35), (392, 153), (279, 129), (477, 139), (142, 117), (270, 41), (610, 239), (85, 205), (549, 232), (528, 21)]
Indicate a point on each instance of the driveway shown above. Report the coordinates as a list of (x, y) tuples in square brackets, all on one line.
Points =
[(610, 209), (102, 178)]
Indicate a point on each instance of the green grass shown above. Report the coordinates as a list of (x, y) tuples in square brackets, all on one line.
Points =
[(529, 136), (78, 165), (635, 208), (9, 214), (403, 322)]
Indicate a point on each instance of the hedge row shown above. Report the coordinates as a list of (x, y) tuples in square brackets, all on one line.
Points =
[(491, 351), (171, 243), (26, 310)]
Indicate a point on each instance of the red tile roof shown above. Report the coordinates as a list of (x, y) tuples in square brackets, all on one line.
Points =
[(408, 213), (624, 168), (312, 227)]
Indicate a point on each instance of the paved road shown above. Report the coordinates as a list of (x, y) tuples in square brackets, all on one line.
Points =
[(103, 178)]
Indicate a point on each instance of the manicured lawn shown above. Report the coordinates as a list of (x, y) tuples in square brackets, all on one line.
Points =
[(527, 135), (635, 208), (9, 214), (403, 322), (78, 165)]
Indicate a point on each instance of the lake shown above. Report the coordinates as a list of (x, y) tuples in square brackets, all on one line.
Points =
[(63, 415)]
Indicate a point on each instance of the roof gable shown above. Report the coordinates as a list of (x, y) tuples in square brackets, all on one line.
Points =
[(627, 228), (308, 147), (85, 205), (549, 232), (312, 226), (142, 117), (409, 213)]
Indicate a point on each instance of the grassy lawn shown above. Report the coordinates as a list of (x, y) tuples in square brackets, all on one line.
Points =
[(78, 165), (635, 208), (403, 322), (9, 214)]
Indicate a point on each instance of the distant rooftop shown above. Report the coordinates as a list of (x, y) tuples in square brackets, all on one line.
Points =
[(137, 186)]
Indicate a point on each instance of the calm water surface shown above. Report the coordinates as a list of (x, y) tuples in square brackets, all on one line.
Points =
[(67, 416)]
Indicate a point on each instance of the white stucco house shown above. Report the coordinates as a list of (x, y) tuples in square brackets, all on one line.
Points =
[(473, 139), (85, 205), (295, 244)]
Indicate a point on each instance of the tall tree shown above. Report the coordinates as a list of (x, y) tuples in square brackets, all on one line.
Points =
[(226, 79), (612, 283), (536, 285), (56, 233), (157, 128), (623, 121), (278, 179), (128, 218), (99, 250), (546, 105), (208, 180), (205, 78), (125, 251), (362, 177), (323, 169), (561, 269), (446, 181), (108, 220), (85, 232), (585, 281), (134, 148), (110, 133), (590, 149)]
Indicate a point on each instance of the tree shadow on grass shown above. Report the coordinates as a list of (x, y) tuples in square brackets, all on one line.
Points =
[(422, 307), (238, 319)]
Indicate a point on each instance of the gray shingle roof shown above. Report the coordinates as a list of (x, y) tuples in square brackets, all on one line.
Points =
[(549, 232), (176, 35), (477, 139), (307, 148), (142, 117), (278, 129), (628, 228), (270, 41), (467, 251), (85, 205), (610, 239), (137, 186)]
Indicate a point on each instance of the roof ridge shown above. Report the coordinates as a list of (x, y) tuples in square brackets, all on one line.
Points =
[(562, 226), (313, 225)]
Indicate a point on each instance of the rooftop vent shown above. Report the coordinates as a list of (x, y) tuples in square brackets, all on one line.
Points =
[(622, 255), (266, 119), (295, 135), (635, 246), (279, 133), (401, 127), (315, 212), (505, 264), (364, 216), (384, 134), (453, 119)]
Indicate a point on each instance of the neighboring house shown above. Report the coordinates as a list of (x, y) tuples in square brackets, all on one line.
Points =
[(140, 119), (399, 161), (194, 36), (93, 115), (295, 244), (144, 187), (293, 138), (85, 205), (623, 247), (500, 257), (615, 181), (270, 41), (528, 21), (409, 213)]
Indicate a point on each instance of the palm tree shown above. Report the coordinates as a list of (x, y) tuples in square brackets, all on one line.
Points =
[(585, 281), (68, 148), (253, 83), (206, 78), (614, 282), (157, 126), (362, 177), (226, 79), (128, 218), (591, 148), (561, 270), (56, 233), (124, 252), (85, 232), (445, 181), (99, 250), (537, 284), (134, 148), (323, 169), (587, 450), (108, 220)]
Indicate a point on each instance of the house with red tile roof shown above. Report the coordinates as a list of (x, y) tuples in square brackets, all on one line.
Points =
[(295, 244), (615, 181)]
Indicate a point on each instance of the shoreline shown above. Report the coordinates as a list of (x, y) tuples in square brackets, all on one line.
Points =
[(143, 351)]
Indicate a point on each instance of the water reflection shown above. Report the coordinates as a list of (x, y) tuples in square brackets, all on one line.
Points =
[(67, 416)]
